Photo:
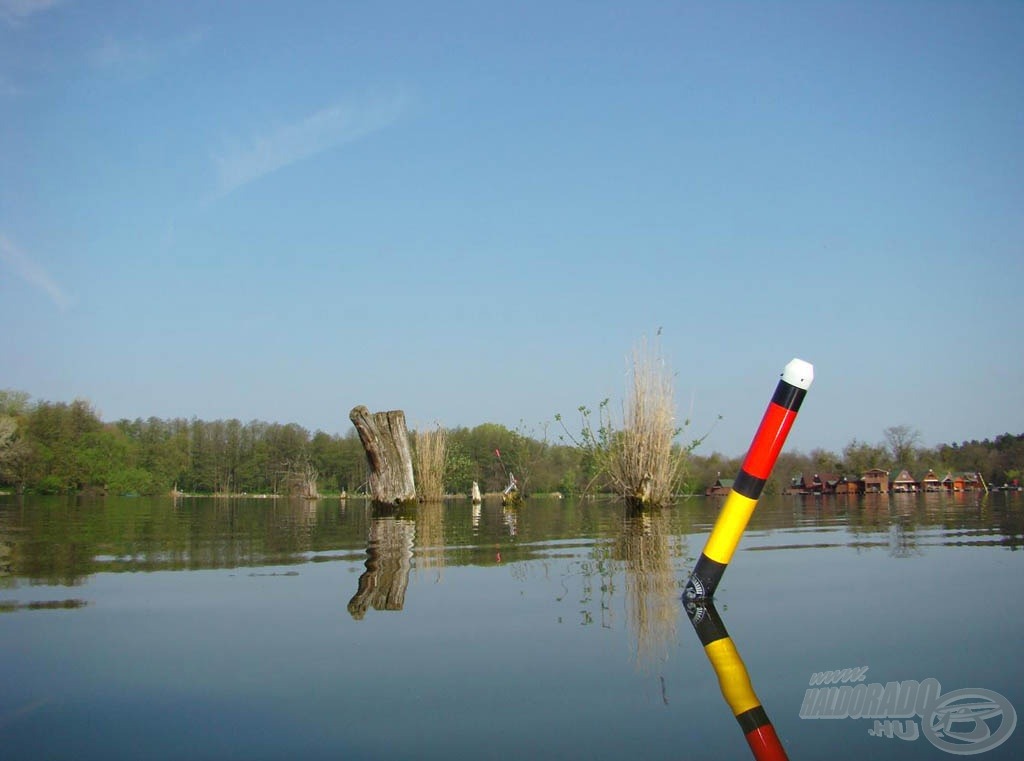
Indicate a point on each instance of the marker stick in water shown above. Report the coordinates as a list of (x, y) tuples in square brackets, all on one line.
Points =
[(757, 466)]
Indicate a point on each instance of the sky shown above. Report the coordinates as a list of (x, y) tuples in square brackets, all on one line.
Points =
[(474, 211)]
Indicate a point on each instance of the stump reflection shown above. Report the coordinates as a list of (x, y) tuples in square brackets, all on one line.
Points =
[(388, 562)]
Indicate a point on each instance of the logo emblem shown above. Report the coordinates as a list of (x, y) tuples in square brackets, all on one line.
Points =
[(969, 721)]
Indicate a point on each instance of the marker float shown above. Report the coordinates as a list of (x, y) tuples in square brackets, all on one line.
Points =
[(764, 450), (735, 683)]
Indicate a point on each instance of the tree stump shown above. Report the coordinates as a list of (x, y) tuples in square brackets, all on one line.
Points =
[(385, 439)]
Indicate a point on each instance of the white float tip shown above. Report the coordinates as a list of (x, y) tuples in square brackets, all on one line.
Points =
[(798, 373)]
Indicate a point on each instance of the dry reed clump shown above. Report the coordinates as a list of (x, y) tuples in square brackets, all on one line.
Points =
[(429, 457), (642, 465)]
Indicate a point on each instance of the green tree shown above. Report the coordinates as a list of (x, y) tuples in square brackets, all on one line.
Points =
[(460, 470), (14, 403), (14, 453), (56, 434), (859, 457), (902, 440), (352, 468), (15, 450)]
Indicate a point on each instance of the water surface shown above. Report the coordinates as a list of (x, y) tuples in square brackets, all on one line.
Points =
[(214, 628)]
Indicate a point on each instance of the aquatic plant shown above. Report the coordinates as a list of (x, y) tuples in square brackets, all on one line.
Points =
[(639, 459), (430, 448)]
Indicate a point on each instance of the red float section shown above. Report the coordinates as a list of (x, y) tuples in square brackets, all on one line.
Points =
[(766, 745), (767, 444)]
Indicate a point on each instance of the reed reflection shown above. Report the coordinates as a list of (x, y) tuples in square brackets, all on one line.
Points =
[(646, 548), (430, 541)]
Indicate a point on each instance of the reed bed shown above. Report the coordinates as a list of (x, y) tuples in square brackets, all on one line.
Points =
[(643, 466), (430, 451)]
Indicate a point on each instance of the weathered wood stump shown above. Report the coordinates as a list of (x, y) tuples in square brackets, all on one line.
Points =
[(386, 442)]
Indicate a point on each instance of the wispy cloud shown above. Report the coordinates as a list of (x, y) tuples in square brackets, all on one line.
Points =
[(32, 273), (16, 11), (240, 163)]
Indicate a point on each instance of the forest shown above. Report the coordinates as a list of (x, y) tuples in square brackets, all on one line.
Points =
[(65, 448)]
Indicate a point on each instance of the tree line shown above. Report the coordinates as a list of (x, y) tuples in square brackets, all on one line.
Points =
[(999, 460), (59, 448)]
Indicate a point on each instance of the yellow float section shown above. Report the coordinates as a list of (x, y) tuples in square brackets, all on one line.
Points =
[(729, 527), (732, 676)]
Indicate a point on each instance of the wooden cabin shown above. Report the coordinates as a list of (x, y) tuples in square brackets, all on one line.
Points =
[(876, 481), (849, 485), (904, 482), (825, 483), (720, 488), (801, 484), (962, 482), (930, 482)]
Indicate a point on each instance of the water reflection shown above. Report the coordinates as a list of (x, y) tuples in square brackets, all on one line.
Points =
[(510, 517), (388, 562), (645, 553), (430, 541), (903, 538), (569, 613), (647, 549), (62, 541), (70, 604), (734, 682)]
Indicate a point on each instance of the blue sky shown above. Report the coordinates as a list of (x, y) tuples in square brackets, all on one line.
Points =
[(473, 210)]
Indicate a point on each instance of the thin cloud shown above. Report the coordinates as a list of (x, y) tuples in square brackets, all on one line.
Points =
[(241, 163), (16, 11), (32, 273)]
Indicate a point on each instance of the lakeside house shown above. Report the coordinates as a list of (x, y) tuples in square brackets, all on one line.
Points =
[(880, 481), (962, 482), (872, 481), (904, 482), (930, 481), (876, 481), (720, 488)]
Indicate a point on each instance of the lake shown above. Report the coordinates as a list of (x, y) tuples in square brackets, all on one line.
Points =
[(265, 629)]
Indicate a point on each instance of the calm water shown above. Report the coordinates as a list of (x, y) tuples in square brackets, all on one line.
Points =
[(136, 628)]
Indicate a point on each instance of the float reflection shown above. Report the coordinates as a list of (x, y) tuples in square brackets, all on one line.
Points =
[(734, 682)]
